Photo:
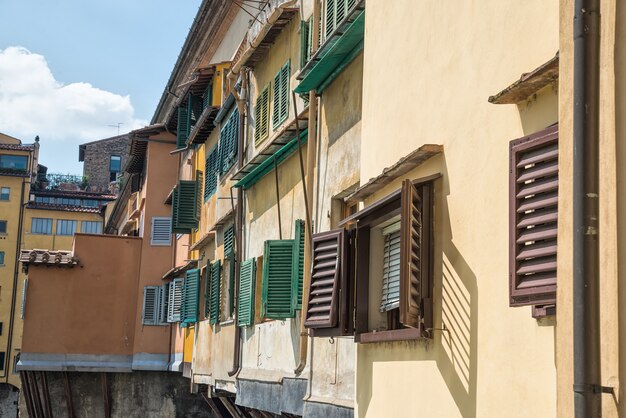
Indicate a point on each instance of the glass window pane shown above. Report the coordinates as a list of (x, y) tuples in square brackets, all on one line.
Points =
[(3, 227), (66, 227), (16, 162), (1, 257), (41, 226), (91, 227), (115, 164), (5, 193)]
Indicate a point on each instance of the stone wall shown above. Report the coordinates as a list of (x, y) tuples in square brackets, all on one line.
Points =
[(97, 159), (9, 395)]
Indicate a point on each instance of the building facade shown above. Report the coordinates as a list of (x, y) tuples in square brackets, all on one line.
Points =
[(103, 161)]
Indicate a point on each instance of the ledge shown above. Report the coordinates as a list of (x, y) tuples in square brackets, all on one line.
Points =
[(529, 83), (385, 336), (389, 174)]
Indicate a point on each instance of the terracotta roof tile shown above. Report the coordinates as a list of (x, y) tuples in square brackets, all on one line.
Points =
[(17, 147), (47, 257), (65, 208)]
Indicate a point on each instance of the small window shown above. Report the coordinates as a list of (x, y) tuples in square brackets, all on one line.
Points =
[(175, 300), (115, 164), (1, 326), (41, 226), (5, 193), (2, 357), (14, 162), (91, 227), (161, 231), (3, 227), (1, 262), (16, 360), (151, 302), (66, 227)]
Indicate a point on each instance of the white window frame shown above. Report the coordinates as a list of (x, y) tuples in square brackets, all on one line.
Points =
[(175, 300), (159, 240)]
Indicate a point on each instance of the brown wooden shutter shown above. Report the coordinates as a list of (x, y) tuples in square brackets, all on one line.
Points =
[(534, 181), (411, 255)]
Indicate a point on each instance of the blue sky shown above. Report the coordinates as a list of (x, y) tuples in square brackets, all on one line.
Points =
[(69, 68)]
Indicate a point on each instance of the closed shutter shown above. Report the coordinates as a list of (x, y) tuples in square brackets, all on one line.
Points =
[(322, 310), (534, 181), (151, 303), (189, 308), (199, 185), (185, 207), (214, 303), (412, 251), (277, 280), (164, 305), (298, 264), (161, 231), (228, 141), (207, 291), (261, 111), (391, 268), (175, 300), (210, 173), (182, 127), (245, 306), (281, 95), (229, 241)]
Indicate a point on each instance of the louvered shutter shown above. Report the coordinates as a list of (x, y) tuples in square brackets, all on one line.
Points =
[(298, 264), (207, 291), (276, 101), (189, 309), (151, 302), (277, 280), (214, 303), (182, 128), (185, 206), (161, 231), (412, 257), (261, 122), (228, 141), (305, 31), (322, 310), (391, 269), (210, 173), (199, 185), (164, 305), (175, 300), (229, 240), (194, 110), (329, 17), (284, 91), (207, 97), (534, 181), (245, 306)]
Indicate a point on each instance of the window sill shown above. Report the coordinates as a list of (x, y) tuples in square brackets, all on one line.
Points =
[(227, 322), (384, 336)]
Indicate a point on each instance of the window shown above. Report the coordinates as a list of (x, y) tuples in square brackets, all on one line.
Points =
[(1, 325), (164, 304), (151, 305), (306, 41), (91, 227), (174, 301), (246, 300), (3, 227), (390, 298), (14, 162), (1, 262), (261, 121), (189, 306), (214, 292), (335, 11), (16, 360), (90, 203), (115, 164), (161, 231), (298, 264), (185, 213), (228, 142), (66, 227), (45, 199), (5, 193), (228, 287), (41, 226), (280, 112), (277, 286), (2, 356), (533, 189), (211, 168)]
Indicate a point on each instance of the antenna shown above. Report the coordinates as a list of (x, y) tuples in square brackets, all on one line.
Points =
[(117, 126)]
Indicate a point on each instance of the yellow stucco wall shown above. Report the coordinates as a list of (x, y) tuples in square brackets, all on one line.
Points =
[(428, 82)]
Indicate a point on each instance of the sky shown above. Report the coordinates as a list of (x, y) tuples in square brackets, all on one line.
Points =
[(71, 68)]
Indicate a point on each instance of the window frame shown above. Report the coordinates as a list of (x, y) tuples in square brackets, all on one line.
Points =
[(281, 88), (98, 225), (2, 256), (56, 231), (2, 194), (32, 221), (160, 242), (5, 223)]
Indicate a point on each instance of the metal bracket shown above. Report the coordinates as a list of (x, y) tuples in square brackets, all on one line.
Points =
[(593, 388)]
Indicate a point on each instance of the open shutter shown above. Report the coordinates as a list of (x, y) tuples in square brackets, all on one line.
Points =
[(329, 16), (285, 73), (305, 31), (161, 231), (391, 268), (151, 301), (164, 305), (322, 310), (199, 185), (189, 310), (214, 303), (175, 299), (210, 173), (261, 122), (182, 127), (185, 206), (228, 141), (276, 101), (534, 181), (207, 291), (297, 272), (207, 97), (411, 255), (277, 280), (194, 110), (245, 306), (229, 241)]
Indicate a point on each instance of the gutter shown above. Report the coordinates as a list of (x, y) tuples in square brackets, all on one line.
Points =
[(586, 324)]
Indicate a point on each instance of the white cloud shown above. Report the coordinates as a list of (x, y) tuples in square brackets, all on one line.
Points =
[(33, 102)]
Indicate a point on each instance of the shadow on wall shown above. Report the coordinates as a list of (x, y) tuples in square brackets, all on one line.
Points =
[(455, 296)]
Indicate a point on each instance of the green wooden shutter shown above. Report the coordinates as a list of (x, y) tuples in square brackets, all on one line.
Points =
[(305, 34), (245, 306), (231, 284), (229, 241), (194, 110), (207, 292), (210, 173), (228, 141), (329, 16), (297, 272), (182, 128), (214, 303), (280, 112), (189, 308), (199, 185), (261, 122), (185, 207), (207, 97), (277, 286)]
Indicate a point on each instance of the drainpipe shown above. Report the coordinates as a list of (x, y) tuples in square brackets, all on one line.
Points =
[(241, 105), (311, 150), (587, 383)]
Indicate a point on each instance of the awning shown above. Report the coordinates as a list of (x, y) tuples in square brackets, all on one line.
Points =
[(333, 57), (275, 159)]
